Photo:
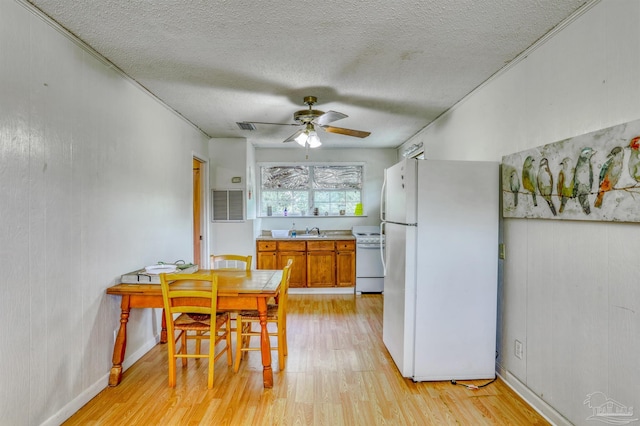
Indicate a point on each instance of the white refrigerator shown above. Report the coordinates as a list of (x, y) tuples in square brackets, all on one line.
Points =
[(440, 220)]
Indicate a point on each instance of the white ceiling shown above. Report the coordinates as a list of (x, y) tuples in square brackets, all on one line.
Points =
[(392, 66)]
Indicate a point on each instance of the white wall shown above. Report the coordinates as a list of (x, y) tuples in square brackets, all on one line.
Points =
[(92, 172), (570, 290), (232, 157)]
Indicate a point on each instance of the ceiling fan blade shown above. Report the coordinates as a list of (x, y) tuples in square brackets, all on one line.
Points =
[(347, 132), (328, 117), (293, 137)]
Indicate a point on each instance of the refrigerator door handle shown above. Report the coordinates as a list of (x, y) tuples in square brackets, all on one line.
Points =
[(382, 199), (384, 265)]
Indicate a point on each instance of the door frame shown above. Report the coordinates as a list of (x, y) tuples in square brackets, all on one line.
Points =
[(204, 211)]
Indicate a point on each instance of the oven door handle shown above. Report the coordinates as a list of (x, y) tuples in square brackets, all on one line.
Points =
[(369, 246)]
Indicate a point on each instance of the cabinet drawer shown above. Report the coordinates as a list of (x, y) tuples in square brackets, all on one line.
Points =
[(291, 246), (266, 246), (345, 245), (321, 245)]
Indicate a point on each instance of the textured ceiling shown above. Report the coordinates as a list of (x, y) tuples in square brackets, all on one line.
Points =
[(391, 66)]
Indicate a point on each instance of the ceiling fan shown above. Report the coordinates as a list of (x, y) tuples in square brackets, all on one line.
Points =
[(312, 119)]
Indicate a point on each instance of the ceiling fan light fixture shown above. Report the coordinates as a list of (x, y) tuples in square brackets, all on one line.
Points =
[(308, 138), (313, 140), (301, 139)]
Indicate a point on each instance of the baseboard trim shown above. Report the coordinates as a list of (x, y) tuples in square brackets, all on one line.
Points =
[(89, 393), (543, 408), (328, 290)]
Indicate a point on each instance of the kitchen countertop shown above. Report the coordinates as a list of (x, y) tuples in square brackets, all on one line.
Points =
[(325, 235)]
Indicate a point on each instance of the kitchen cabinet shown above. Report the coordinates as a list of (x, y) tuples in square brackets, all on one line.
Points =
[(266, 255), (316, 264), (296, 250), (321, 264), (345, 263)]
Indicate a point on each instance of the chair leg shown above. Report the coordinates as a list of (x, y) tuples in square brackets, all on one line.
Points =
[(284, 342), (281, 348), (228, 339), (212, 351), (246, 338), (171, 347), (239, 343), (183, 348), (284, 339), (198, 342)]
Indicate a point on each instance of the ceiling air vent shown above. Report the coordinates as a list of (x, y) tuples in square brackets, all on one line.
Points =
[(245, 126), (227, 205)]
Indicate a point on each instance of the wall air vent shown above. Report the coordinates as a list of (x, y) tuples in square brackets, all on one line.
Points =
[(245, 126), (227, 205)]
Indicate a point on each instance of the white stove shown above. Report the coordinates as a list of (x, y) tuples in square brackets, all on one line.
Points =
[(369, 271)]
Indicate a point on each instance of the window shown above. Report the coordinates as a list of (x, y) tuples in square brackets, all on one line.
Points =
[(332, 189)]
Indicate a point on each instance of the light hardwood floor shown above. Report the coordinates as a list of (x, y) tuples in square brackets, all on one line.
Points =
[(338, 372)]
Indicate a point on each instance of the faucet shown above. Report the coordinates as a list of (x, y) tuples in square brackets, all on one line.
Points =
[(316, 228)]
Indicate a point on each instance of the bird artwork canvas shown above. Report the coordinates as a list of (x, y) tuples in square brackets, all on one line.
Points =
[(595, 176)]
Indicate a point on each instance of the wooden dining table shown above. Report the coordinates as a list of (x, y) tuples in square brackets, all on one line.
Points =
[(237, 290)]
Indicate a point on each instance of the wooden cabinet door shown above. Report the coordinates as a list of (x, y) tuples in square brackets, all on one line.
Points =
[(345, 263), (321, 266), (298, 268), (266, 255), (267, 260), (321, 263)]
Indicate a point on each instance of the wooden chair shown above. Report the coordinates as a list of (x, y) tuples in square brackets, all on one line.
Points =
[(231, 261), (276, 313), (183, 315)]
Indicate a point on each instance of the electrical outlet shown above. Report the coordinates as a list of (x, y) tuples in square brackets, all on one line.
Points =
[(501, 251), (518, 349), (115, 334)]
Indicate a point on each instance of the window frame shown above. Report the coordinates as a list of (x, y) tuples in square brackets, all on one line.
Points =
[(262, 213)]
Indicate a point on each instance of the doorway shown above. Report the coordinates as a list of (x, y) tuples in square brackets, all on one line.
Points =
[(198, 210)]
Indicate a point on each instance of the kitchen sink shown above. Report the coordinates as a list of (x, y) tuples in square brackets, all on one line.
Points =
[(310, 236)]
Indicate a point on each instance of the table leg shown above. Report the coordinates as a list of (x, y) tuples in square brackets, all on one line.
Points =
[(163, 332), (120, 344), (265, 345)]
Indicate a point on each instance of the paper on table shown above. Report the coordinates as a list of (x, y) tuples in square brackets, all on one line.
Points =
[(159, 269)]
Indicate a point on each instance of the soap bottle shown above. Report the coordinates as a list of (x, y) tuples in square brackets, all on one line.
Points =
[(293, 230), (285, 211)]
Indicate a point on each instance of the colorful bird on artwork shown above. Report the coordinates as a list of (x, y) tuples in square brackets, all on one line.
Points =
[(545, 183), (609, 173), (514, 185), (583, 179), (565, 183), (634, 158), (529, 177)]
